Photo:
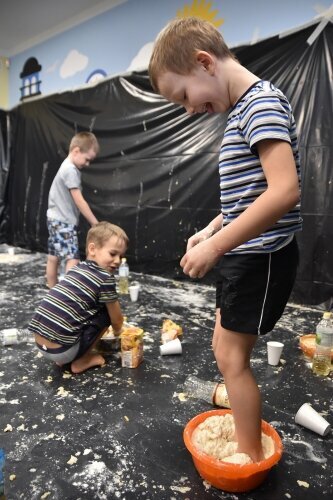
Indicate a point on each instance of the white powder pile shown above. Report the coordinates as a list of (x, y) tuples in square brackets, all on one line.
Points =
[(215, 435)]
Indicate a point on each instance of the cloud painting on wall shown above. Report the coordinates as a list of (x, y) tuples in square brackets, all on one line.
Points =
[(141, 60), (73, 63)]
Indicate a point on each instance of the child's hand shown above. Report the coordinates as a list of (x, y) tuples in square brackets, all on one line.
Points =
[(200, 259), (200, 236)]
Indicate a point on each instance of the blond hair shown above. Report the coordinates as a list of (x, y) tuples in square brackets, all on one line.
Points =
[(101, 232), (178, 43), (84, 141)]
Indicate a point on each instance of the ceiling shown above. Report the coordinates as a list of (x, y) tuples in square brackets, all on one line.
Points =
[(24, 23)]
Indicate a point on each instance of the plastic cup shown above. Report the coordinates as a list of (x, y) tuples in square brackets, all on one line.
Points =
[(274, 350), (134, 292), (11, 251), (172, 347), (308, 417)]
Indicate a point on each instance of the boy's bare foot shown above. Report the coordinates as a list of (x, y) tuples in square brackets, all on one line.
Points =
[(87, 361)]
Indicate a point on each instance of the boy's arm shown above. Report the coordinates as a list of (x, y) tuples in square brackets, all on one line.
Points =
[(116, 316), (281, 195), (205, 233), (83, 206)]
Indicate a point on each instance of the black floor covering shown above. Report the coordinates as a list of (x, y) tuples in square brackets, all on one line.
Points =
[(121, 429)]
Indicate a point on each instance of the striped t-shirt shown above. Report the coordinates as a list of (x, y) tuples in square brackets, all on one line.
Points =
[(263, 112), (74, 302)]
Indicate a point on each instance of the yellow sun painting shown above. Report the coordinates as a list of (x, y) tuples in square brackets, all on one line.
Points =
[(202, 9)]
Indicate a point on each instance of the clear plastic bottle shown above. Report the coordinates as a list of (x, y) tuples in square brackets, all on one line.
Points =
[(123, 277), (321, 364), (213, 393), (11, 336)]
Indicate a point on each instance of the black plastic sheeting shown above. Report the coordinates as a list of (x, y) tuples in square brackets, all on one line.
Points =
[(156, 175)]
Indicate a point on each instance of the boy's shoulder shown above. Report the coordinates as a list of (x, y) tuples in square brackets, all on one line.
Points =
[(260, 97), (262, 89), (67, 164), (89, 265)]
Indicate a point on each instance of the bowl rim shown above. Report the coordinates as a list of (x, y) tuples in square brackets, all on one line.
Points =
[(246, 469), (307, 349)]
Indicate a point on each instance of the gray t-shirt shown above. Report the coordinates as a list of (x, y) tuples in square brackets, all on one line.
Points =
[(61, 204)]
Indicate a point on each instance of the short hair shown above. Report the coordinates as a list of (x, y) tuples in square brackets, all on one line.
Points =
[(178, 43), (84, 141), (101, 232)]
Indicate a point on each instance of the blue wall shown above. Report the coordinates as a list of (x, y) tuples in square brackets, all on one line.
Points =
[(111, 42)]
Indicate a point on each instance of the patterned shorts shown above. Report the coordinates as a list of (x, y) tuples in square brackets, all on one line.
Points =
[(63, 240)]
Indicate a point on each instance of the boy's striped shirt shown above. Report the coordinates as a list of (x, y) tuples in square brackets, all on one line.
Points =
[(69, 305), (263, 112)]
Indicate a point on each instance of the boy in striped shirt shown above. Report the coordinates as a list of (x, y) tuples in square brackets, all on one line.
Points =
[(76, 312), (252, 239)]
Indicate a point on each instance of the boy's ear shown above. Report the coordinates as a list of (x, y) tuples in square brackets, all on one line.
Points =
[(91, 248), (206, 60)]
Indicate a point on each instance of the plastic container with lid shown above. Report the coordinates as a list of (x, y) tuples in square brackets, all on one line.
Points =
[(321, 364), (123, 273)]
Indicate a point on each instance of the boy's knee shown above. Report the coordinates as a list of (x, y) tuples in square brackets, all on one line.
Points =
[(222, 359)]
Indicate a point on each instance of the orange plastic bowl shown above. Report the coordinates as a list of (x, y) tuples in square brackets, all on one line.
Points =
[(308, 345), (226, 476)]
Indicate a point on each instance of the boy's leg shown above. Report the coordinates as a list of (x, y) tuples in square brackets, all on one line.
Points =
[(71, 263), (52, 270), (71, 247), (232, 351), (89, 359)]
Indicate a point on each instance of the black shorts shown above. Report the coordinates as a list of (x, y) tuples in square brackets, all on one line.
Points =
[(91, 331), (252, 290)]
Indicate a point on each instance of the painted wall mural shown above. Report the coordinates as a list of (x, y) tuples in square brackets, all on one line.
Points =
[(121, 39), (30, 76), (202, 9), (198, 8)]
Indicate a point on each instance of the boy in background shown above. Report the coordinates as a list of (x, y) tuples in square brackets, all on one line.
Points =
[(76, 312), (252, 239), (65, 204)]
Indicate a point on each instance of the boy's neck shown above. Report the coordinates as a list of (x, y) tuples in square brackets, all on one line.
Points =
[(240, 79), (71, 159)]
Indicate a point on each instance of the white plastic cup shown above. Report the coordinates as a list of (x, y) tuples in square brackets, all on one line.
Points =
[(308, 417), (172, 347), (11, 251), (134, 292), (274, 350)]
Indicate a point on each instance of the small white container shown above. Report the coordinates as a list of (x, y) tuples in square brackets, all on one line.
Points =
[(134, 292), (274, 350), (308, 417), (172, 347)]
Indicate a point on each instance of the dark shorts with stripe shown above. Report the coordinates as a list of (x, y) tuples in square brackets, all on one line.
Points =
[(252, 290)]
